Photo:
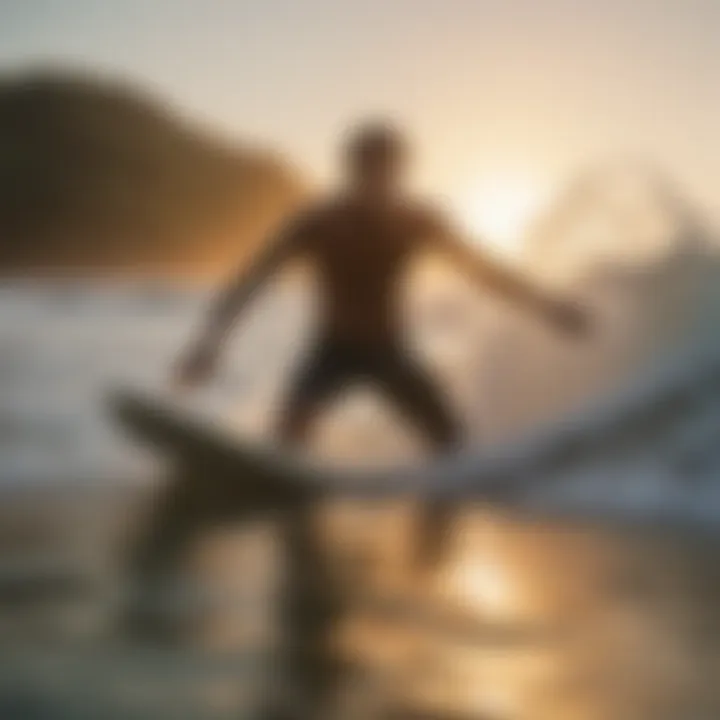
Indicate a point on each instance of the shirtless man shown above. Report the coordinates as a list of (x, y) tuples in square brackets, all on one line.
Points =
[(360, 242)]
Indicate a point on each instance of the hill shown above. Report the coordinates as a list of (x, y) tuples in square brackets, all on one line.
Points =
[(95, 175)]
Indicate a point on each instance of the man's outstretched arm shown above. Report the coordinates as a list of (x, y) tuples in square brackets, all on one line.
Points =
[(501, 280), (199, 363)]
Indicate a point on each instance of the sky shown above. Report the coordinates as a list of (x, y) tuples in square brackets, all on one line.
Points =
[(505, 99)]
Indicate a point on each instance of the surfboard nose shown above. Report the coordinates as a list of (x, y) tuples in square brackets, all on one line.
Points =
[(244, 476)]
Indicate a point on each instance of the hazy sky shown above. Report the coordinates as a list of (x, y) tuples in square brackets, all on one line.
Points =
[(490, 88)]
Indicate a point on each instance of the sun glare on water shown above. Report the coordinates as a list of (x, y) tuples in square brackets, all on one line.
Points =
[(498, 208)]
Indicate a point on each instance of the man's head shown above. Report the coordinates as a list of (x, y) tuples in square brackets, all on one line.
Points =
[(376, 156)]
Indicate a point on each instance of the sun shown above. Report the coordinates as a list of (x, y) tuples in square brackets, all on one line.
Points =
[(498, 207)]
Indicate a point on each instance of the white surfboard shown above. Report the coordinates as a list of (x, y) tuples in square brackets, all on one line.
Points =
[(650, 454)]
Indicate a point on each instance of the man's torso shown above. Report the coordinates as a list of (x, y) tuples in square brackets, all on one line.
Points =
[(360, 254)]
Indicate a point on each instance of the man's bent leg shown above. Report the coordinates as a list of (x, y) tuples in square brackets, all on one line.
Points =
[(308, 674), (317, 380), (421, 401)]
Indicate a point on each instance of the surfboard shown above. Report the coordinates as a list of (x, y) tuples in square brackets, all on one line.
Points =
[(249, 472), (177, 430), (192, 437), (627, 460)]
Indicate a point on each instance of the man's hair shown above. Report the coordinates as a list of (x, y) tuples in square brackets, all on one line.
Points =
[(376, 141)]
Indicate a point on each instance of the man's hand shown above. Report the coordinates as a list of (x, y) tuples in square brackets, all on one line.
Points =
[(568, 317), (195, 368)]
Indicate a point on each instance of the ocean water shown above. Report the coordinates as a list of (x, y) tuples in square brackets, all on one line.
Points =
[(639, 607), (64, 346)]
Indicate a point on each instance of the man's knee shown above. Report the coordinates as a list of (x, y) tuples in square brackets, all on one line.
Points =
[(445, 433), (295, 422), (292, 432), (423, 404), (437, 419)]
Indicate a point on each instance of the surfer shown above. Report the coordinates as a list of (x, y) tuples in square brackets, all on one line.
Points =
[(359, 242)]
